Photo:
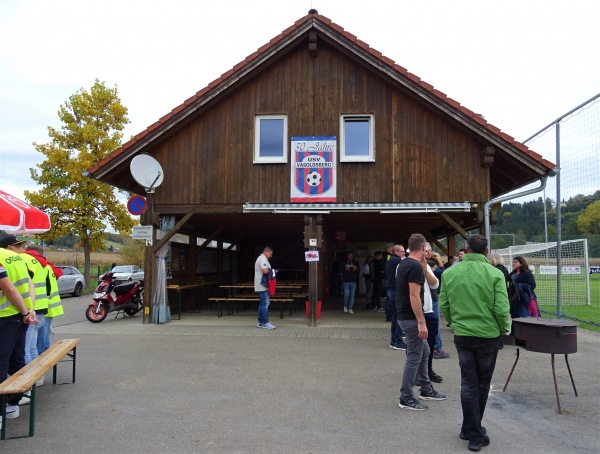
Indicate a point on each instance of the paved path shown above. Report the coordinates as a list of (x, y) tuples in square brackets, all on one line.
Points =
[(208, 384)]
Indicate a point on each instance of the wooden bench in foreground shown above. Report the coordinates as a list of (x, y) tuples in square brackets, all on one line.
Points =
[(26, 378), (232, 303)]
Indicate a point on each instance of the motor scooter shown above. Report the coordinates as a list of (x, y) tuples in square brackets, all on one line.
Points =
[(112, 296)]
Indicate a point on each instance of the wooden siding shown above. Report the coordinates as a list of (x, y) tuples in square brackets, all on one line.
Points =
[(420, 156)]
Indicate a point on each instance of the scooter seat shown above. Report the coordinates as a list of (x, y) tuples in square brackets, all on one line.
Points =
[(122, 289)]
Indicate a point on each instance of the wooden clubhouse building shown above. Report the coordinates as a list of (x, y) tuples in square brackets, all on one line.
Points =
[(316, 136)]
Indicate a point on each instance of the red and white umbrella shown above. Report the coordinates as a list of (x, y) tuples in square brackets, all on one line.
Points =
[(17, 216)]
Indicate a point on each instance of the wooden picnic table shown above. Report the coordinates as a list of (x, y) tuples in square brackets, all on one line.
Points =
[(293, 296), (200, 281), (232, 289)]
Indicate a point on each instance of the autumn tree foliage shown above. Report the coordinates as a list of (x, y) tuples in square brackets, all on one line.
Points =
[(92, 125), (589, 219)]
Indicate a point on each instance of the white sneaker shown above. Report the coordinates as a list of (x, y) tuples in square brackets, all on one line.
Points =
[(269, 326), (41, 381), (26, 399), (345, 308), (350, 311), (12, 411)]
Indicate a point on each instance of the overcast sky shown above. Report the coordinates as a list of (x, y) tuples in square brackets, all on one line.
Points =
[(521, 64)]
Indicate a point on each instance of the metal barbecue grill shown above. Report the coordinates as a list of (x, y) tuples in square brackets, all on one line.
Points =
[(544, 335)]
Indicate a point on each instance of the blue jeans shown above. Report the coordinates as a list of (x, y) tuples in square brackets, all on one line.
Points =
[(417, 355), (477, 361), (263, 307), (12, 349), (31, 338), (438, 337), (390, 312), (43, 340), (349, 290)]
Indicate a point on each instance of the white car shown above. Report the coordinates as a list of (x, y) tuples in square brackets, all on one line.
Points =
[(127, 273), (71, 282)]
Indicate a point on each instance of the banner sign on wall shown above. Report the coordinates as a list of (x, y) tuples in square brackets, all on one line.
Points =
[(549, 269), (313, 168)]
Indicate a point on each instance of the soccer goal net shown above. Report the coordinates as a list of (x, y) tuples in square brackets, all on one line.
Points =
[(542, 261)]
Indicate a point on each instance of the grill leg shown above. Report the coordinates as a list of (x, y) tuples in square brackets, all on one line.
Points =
[(555, 385), (511, 371), (571, 375)]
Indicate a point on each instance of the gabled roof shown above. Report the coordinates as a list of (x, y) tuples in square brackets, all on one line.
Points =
[(427, 92)]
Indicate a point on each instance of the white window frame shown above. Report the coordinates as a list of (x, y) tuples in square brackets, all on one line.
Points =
[(258, 159), (364, 158)]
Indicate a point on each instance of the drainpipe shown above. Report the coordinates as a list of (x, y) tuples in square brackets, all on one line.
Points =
[(489, 203)]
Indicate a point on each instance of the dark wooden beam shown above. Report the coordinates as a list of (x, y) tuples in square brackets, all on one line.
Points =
[(312, 43), (231, 208), (209, 239), (456, 227), (171, 232)]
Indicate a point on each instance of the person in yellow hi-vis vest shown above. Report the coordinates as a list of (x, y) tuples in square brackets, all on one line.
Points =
[(16, 313), (37, 273), (55, 309)]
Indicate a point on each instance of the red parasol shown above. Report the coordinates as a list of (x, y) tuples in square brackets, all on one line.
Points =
[(17, 216)]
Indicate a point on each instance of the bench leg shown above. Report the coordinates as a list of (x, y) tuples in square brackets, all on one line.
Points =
[(32, 411), (31, 415), (73, 356), (3, 418)]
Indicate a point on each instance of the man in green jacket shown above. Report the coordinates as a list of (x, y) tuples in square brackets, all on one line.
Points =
[(475, 305)]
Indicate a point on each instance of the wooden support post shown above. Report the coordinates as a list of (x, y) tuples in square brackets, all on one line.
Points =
[(150, 262), (310, 232), (451, 245)]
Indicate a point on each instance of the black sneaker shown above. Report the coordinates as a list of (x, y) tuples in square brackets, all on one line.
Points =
[(477, 445), (412, 404), (435, 378), (431, 395)]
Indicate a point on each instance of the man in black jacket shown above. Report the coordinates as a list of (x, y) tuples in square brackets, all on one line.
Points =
[(398, 254), (350, 272), (378, 275)]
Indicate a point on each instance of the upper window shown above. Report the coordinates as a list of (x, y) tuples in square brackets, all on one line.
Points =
[(270, 139), (357, 142)]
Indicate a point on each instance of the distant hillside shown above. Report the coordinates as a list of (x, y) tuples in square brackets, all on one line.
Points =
[(526, 222)]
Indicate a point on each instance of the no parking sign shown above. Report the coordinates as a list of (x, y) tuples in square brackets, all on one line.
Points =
[(136, 205)]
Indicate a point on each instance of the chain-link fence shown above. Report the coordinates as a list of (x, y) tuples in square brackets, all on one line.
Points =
[(573, 143)]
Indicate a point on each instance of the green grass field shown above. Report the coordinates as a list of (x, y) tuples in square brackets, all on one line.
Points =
[(574, 297)]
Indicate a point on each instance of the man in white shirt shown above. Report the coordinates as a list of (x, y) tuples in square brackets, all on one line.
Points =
[(262, 267)]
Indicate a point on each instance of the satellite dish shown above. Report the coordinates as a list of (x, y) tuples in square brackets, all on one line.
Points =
[(146, 171)]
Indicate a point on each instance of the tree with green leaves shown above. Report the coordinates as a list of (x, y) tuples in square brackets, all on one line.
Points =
[(589, 219), (92, 125)]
